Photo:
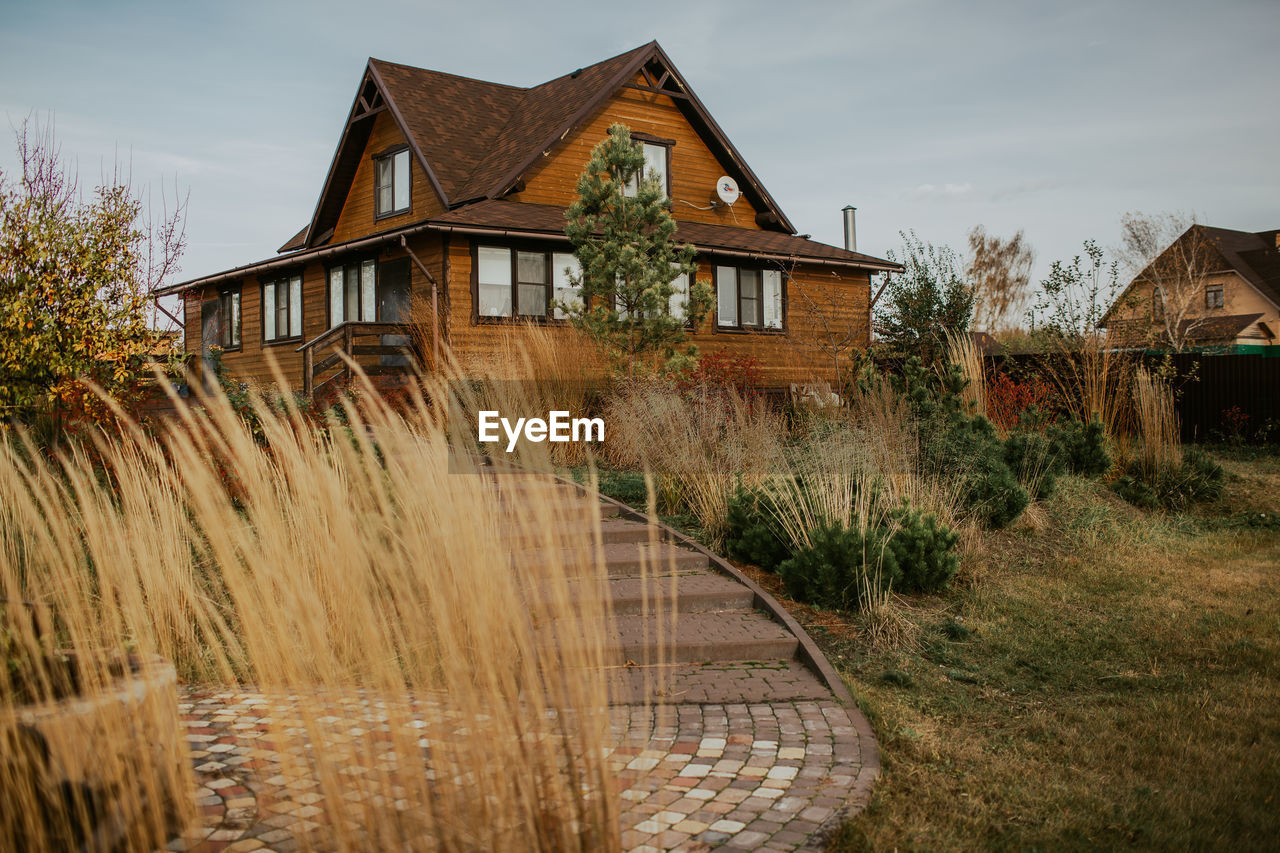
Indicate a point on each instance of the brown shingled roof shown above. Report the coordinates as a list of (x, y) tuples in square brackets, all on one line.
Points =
[(548, 219), (474, 138), (1252, 254), (1227, 327)]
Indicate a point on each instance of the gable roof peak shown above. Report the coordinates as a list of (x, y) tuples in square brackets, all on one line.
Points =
[(475, 139)]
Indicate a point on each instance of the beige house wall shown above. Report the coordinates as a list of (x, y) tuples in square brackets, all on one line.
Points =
[(1133, 315)]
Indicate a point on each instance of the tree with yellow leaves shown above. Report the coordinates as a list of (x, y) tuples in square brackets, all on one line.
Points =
[(76, 276)]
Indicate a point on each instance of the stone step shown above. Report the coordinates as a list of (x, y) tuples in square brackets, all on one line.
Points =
[(613, 531), (569, 505), (701, 638), (716, 683), (702, 592), (623, 559), (696, 591)]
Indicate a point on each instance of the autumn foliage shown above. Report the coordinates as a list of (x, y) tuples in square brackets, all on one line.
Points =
[(76, 275)]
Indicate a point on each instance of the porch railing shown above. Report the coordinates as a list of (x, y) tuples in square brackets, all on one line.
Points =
[(322, 356)]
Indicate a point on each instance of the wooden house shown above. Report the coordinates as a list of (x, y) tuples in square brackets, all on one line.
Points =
[(449, 192)]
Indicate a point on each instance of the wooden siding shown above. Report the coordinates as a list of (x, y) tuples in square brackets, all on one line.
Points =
[(820, 303), (250, 362), (693, 168), (357, 217)]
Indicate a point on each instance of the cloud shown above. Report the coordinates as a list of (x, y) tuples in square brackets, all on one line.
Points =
[(926, 192)]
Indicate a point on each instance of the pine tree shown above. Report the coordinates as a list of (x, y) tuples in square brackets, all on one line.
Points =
[(626, 246)]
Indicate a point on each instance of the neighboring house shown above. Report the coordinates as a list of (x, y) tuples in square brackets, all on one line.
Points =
[(450, 188), (1213, 289)]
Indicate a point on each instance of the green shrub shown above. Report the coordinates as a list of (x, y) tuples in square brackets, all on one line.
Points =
[(754, 534), (1197, 480), (1035, 461), (839, 568), (923, 551), (832, 571), (1083, 447), (989, 488)]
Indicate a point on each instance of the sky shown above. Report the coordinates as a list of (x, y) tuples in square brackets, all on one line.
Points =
[(1050, 118)]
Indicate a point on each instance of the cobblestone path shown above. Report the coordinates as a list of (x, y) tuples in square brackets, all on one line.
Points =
[(740, 739)]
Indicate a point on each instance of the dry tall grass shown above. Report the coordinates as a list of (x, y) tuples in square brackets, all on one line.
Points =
[(365, 564), (532, 370), (1161, 448), (699, 444), (1094, 382), (963, 351)]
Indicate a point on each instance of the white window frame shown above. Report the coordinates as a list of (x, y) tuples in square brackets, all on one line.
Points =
[(655, 153), (282, 301), (358, 279)]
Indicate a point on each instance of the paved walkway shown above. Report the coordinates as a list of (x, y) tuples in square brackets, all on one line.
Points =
[(748, 747)]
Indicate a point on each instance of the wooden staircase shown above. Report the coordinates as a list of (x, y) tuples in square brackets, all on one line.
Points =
[(323, 363)]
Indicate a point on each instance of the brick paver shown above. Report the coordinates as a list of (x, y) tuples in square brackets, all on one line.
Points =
[(721, 737)]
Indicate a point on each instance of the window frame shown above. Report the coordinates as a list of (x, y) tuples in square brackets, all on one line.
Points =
[(358, 264), (738, 328), (1220, 291), (658, 142), (225, 295), (284, 277), (548, 251), (390, 154)]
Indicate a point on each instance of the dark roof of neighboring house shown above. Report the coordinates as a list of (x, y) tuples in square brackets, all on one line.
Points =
[(1253, 255), (549, 220), (1218, 328)]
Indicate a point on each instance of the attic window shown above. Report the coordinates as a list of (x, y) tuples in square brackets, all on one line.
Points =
[(1213, 296), (656, 159), (391, 193)]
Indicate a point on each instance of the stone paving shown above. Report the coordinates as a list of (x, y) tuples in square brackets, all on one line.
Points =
[(693, 777), (723, 738)]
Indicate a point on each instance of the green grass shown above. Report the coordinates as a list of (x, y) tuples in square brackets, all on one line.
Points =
[(1106, 679), (1097, 677)]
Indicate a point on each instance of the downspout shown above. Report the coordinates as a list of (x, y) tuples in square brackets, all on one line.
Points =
[(435, 303)]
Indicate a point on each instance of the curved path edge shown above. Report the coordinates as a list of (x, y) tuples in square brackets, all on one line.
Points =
[(860, 790)]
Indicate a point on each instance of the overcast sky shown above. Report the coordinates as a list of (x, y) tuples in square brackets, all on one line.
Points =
[(1054, 118)]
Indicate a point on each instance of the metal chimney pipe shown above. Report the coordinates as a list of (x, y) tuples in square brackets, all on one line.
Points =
[(850, 228)]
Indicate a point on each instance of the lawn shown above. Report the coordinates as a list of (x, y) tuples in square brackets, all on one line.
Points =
[(1097, 676)]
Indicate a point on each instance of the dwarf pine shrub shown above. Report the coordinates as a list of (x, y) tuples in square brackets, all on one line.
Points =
[(754, 534), (1083, 446)]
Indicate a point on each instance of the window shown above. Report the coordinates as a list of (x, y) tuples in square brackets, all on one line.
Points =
[(1213, 296), (564, 265), (1157, 306), (282, 309), (352, 294), (748, 298), (391, 178), (530, 280), (655, 165), (229, 312)]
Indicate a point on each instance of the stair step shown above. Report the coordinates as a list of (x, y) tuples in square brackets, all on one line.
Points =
[(702, 638), (623, 559), (613, 531), (694, 593), (716, 683)]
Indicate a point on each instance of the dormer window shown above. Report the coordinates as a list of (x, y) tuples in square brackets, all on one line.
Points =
[(656, 164), (391, 179)]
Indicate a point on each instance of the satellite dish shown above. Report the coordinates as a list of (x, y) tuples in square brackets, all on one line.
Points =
[(727, 189)]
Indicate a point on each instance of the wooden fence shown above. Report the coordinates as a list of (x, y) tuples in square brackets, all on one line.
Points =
[(1209, 387)]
